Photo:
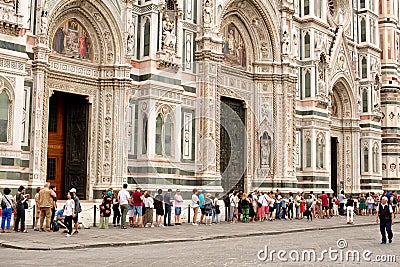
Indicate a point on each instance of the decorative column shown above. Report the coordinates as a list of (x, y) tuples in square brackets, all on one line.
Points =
[(40, 101), (208, 55)]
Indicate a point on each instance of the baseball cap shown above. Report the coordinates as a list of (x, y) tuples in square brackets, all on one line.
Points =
[(170, 190), (73, 190), (204, 191)]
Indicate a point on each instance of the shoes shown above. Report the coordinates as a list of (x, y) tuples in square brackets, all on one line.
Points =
[(48, 230), (25, 231), (8, 231), (171, 225), (123, 227), (2, 231), (152, 226), (68, 235), (194, 224), (383, 242), (390, 240), (36, 229), (41, 230)]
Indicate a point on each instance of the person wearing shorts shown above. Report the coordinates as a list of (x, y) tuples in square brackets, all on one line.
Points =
[(178, 202), (137, 198)]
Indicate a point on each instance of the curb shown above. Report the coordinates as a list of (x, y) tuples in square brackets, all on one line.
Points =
[(169, 241)]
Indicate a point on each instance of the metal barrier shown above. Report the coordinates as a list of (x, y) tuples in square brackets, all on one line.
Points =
[(33, 216), (189, 213), (94, 215)]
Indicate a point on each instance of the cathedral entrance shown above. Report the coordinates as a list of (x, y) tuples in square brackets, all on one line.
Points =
[(233, 146), (67, 143)]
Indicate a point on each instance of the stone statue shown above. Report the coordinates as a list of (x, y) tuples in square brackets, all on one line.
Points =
[(295, 44), (44, 23), (168, 37), (130, 44), (207, 12), (265, 150)]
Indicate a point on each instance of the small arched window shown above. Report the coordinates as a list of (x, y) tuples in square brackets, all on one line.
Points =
[(364, 68), (146, 38), (307, 84), (307, 41), (363, 30), (168, 136), (365, 100), (306, 7), (308, 153), (4, 115), (144, 131), (366, 166), (158, 135)]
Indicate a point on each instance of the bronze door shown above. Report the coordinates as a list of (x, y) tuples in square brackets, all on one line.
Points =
[(76, 112), (232, 144), (56, 143)]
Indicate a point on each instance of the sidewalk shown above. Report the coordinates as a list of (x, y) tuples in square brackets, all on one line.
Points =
[(95, 238)]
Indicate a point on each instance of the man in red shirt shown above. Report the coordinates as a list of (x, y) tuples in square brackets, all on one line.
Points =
[(137, 198), (325, 204)]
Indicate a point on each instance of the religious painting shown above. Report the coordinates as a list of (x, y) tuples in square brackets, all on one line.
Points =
[(72, 40), (234, 49)]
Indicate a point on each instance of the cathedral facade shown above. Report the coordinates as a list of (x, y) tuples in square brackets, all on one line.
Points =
[(210, 94)]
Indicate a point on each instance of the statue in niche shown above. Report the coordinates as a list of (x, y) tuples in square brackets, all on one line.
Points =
[(295, 43), (377, 101), (168, 37), (131, 38), (266, 143), (207, 12), (44, 23)]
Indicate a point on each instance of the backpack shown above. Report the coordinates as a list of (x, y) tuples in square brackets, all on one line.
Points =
[(208, 205), (157, 204), (395, 201), (3, 204), (79, 207), (55, 226)]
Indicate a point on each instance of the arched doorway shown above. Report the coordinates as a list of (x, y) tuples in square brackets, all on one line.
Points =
[(344, 137)]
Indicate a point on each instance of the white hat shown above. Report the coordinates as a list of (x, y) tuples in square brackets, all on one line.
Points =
[(73, 190)]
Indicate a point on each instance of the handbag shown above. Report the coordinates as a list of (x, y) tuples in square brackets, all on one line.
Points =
[(11, 204)]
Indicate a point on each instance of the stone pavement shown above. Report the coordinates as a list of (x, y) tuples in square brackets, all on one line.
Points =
[(98, 238)]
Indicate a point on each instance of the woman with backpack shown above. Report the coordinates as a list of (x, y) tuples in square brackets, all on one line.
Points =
[(208, 208), (7, 206)]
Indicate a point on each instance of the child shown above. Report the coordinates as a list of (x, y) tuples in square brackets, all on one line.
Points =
[(68, 211)]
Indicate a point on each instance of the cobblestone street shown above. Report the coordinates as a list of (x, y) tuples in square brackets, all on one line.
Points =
[(219, 245)]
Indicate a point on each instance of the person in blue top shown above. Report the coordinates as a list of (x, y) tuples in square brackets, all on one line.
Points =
[(59, 218), (201, 205)]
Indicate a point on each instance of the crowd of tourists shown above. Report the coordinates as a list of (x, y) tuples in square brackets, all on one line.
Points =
[(140, 206), (46, 213)]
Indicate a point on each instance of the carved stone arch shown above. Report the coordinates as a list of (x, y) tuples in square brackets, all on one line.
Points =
[(267, 15), (344, 89), (99, 19), (6, 86), (164, 110)]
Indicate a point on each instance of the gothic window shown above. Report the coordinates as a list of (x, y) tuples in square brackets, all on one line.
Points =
[(307, 42), (146, 38), (308, 153), (307, 84), (320, 146), (168, 136), (372, 31), (362, 3), (363, 30), (163, 135), (158, 135), (144, 140), (365, 100), (364, 68), (376, 158), (306, 7), (4, 115), (170, 5), (365, 156), (317, 8)]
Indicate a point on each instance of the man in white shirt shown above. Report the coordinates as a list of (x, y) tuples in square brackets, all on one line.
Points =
[(385, 216), (123, 199)]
